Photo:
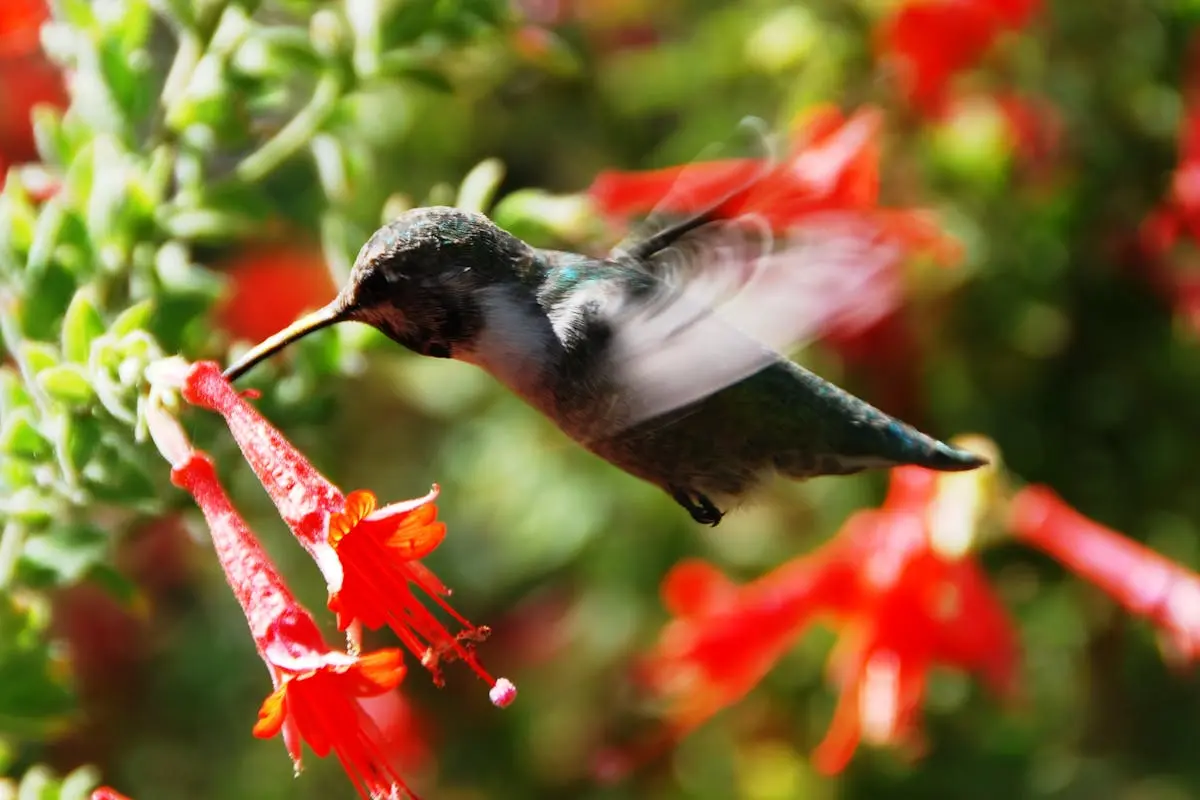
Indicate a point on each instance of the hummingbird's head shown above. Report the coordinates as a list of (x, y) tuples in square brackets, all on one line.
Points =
[(422, 280)]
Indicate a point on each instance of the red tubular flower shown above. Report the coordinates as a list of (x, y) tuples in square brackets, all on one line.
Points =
[(1144, 582), (900, 605), (929, 41), (318, 691), (369, 557)]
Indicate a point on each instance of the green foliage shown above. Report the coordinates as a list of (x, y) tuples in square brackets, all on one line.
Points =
[(197, 126)]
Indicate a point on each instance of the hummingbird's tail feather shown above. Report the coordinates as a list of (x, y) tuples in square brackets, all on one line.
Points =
[(933, 454), (331, 314), (854, 435)]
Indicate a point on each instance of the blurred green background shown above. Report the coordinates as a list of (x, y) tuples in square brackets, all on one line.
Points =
[(218, 156)]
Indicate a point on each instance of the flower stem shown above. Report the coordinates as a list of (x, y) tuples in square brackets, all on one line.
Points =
[(296, 134)]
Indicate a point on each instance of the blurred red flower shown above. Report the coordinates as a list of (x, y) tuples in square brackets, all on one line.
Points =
[(1178, 215), (270, 286), (930, 41), (1144, 582), (369, 557), (27, 79), (318, 691), (832, 165), (900, 605), (105, 793)]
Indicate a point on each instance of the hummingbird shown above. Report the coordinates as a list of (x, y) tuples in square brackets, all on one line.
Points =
[(665, 357)]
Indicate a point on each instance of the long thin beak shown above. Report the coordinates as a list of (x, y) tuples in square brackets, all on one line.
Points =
[(331, 314)]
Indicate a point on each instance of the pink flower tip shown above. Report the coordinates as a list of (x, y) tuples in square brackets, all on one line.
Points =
[(105, 793), (502, 693)]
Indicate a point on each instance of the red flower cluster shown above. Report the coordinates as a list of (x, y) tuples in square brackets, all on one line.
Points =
[(1178, 215), (899, 586), (832, 166), (901, 606), (369, 558), (929, 41)]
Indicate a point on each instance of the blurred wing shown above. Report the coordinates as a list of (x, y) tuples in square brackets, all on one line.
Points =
[(693, 189), (726, 300)]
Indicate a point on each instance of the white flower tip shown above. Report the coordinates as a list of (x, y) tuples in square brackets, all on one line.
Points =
[(167, 435), (168, 373), (503, 693)]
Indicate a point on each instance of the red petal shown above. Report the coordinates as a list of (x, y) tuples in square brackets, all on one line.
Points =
[(696, 587), (272, 714), (682, 189)]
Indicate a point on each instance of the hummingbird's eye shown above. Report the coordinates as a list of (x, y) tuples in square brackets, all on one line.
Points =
[(437, 350)]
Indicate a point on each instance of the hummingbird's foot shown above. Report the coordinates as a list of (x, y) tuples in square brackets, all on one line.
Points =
[(698, 505)]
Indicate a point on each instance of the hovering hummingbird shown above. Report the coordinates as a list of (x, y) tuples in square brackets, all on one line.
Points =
[(663, 358)]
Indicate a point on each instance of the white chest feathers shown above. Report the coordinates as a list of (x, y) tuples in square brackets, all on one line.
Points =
[(515, 344)]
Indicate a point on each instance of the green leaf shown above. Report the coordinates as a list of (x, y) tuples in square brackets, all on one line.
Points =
[(38, 356), (79, 784), (18, 219), (110, 189), (65, 554), (136, 317), (13, 394), (47, 295), (33, 701), (129, 78), (276, 52), (19, 436), (204, 225), (119, 587), (81, 324), (429, 78), (83, 438), (480, 185), (113, 479), (67, 383), (77, 13), (45, 236), (52, 145)]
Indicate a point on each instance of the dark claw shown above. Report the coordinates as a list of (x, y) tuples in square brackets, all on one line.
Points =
[(698, 505)]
